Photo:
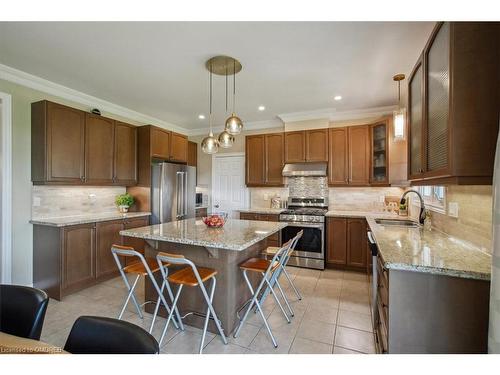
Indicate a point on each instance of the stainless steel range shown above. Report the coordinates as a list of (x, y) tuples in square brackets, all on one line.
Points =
[(307, 214)]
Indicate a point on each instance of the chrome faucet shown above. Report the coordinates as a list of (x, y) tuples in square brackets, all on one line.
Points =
[(421, 217)]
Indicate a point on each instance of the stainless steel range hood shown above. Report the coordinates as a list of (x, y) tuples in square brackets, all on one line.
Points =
[(305, 170)]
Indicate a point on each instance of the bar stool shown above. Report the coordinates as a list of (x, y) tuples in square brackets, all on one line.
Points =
[(144, 267), (190, 276), (266, 268), (271, 250)]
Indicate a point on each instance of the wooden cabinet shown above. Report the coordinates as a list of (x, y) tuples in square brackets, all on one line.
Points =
[(57, 144), (317, 145), (78, 257), (201, 212), (178, 148), (306, 146), (125, 158), (99, 150), (338, 158), (295, 147), (192, 159), (454, 91), (274, 159), (359, 155), (69, 146), (254, 160), (379, 161), (336, 233), (71, 258), (264, 159), (108, 234), (356, 242), (346, 243), (160, 143)]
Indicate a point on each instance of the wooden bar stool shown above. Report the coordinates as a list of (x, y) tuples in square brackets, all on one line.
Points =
[(191, 276), (143, 267), (271, 250), (266, 268)]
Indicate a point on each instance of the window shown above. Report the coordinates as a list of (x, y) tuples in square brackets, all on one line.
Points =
[(434, 198)]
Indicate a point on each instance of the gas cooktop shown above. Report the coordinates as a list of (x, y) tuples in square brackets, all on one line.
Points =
[(305, 211)]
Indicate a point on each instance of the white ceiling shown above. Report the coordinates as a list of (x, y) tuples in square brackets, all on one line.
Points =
[(158, 68)]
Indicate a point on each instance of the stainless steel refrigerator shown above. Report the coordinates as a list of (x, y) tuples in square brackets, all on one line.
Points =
[(173, 192)]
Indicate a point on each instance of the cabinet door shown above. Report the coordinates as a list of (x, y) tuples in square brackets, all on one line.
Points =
[(254, 160), (338, 166), (78, 258), (125, 154), (108, 234), (356, 242), (274, 158), (359, 155), (99, 142), (415, 122), (295, 147), (379, 171), (337, 241), (137, 243), (178, 147), (192, 160), (317, 145), (437, 100), (160, 143), (65, 144)]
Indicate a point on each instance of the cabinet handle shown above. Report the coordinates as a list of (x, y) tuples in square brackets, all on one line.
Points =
[(82, 178)]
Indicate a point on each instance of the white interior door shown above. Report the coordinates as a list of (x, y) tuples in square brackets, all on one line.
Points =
[(229, 192)]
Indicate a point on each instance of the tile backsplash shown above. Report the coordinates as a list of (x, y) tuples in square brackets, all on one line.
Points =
[(310, 187), (61, 201), (361, 198)]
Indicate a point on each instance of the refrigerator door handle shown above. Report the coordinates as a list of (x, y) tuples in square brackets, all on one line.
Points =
[(185, 185), (162, 179), (179, 194)]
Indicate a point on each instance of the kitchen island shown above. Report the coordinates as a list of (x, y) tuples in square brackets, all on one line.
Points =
[(222, 249)]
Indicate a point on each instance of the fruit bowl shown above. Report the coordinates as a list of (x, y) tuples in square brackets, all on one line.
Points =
[(215, 220)]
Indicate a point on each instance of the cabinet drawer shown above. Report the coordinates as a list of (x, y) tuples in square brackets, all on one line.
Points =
[(247, 216)]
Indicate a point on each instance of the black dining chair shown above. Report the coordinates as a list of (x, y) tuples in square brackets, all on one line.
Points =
[(22, 310), (100, 335)]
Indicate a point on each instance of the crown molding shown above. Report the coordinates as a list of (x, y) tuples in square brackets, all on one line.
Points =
[(19, 77), (251, 125), (332, 114)]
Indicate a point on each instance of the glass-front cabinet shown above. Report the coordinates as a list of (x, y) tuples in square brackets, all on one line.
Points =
[(415, 99), (380, 154)]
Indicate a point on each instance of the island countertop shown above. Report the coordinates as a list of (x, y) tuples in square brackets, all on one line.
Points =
[(235, 235)]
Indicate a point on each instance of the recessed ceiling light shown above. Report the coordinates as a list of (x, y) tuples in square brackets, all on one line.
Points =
[(262, 108), (337, 97), (201, 117)]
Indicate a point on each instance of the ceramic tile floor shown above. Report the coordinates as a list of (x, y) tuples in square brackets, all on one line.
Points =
[(333, 317)]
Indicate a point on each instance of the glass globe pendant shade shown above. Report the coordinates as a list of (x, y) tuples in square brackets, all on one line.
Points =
[(210, 144), (399, 120), (234, 125), (226, 140)]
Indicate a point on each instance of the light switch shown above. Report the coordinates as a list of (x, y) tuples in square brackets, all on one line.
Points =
[(453, 209), (266, 197), (37, 201)]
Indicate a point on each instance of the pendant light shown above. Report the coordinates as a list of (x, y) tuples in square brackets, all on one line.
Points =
[(399, 116), (226, 139), (210, 144), (234, 125)]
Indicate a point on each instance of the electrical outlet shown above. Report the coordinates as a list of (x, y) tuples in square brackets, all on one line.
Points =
[(37, 201), (266, 197), (92, 198), (381, 199), (453, 209)]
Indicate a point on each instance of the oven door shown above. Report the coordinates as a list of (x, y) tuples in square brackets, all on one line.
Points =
[(311, 243)]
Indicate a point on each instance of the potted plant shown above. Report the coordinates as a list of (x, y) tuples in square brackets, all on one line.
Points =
[(124, 201)]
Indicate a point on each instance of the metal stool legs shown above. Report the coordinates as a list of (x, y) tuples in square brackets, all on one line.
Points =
[(297, 293), (130, 295)]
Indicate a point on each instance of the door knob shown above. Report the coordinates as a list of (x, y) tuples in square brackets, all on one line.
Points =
[(216, 206)]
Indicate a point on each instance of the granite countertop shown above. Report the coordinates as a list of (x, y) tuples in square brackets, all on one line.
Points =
[(420, 250), (274, 211), (235, 235), (87, 218)]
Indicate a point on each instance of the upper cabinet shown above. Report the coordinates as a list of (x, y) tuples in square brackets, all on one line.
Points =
[(453, 114), (379, 171), (69, 146), (57, 144), (178, 148), (159, 141), (192, 159), (359, 155), (306, 146), (338, 159), (264, 159)]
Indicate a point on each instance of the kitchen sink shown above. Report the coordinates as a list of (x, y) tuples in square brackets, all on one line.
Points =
[(398, 223)]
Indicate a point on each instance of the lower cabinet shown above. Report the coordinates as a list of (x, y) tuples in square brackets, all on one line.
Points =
[(137, 243), (346, 243), (274, 239), (71, 258)]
